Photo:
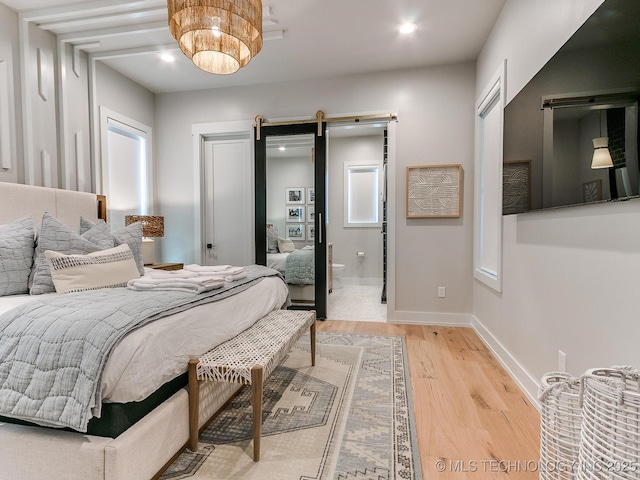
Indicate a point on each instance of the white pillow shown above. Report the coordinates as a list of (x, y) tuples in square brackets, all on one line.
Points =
[(112, 267), (285, 245)]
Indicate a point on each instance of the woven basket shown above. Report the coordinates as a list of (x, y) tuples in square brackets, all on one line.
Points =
[(560, 420), (610, 440)]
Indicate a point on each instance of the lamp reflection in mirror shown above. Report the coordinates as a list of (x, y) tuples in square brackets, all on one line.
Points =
[(218, 36), (601, 154), (152, 226)]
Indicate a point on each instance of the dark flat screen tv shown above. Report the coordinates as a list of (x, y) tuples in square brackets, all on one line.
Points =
[(584, 101)]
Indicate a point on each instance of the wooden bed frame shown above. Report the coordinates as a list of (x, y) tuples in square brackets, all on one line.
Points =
[(145, 449)]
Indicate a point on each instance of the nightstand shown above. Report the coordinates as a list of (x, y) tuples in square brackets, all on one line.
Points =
[(166, 266)]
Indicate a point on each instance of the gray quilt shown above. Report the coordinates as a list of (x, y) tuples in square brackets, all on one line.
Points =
[(53, 350), (299, 267)]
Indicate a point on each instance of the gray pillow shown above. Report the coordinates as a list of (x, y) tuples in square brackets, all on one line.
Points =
[(272, 240), (54, 235), (131, 235), (16, 256)]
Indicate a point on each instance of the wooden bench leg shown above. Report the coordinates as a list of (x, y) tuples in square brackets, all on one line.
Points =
[(194, 405), (257, 380), (312, 335)]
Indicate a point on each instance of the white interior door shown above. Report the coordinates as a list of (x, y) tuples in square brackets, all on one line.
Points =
[(228, 201)]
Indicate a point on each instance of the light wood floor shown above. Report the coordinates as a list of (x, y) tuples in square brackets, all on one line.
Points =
[(472, 420)]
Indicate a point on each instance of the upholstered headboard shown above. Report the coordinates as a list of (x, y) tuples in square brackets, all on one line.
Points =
[(17, 200)]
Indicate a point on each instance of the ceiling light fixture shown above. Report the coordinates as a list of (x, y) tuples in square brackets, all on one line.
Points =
[(408, 28), (167, 57), (601, 153), (219, 36)]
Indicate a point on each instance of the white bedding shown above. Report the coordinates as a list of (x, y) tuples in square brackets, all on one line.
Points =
[(152, 355), (277, 261)]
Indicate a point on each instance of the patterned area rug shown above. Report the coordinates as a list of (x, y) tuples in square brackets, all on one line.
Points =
[(349, 417)]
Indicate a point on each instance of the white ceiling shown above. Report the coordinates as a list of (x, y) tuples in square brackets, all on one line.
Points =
[(313, 38)]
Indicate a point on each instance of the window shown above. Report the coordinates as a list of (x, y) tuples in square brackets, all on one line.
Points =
[(126, 169), (488, 183), (362, 199)]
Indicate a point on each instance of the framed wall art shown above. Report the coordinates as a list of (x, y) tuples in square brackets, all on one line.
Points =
[(592, 191), (296, 231), (295, 196), (434, 191), (311, 196), (294, 214), (516, 186)]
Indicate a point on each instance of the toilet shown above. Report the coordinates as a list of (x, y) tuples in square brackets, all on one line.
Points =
[(337, 269)]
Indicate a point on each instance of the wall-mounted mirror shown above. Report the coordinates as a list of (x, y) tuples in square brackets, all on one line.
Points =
[(290, 222), (588, 90), (291, 213)]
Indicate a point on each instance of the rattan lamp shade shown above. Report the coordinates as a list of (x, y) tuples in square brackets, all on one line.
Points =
[(219, 36), (152, 226)]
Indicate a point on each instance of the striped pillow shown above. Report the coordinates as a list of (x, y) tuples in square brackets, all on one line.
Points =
[(109, 268)]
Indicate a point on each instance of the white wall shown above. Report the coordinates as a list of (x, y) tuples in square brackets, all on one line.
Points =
[(10, 55), (42, 144), (436, 115), (78, 136), (120, 94), (570, 275)]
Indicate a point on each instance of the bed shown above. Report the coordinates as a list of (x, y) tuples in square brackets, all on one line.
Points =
[(144, 369), (296, 265)]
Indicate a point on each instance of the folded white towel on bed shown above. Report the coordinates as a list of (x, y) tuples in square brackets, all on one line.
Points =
[(227, 272), (196, 283)]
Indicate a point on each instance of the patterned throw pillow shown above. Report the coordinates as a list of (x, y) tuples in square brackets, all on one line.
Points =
[(56, 236), (109, 268), (16, 256), (131, 235)]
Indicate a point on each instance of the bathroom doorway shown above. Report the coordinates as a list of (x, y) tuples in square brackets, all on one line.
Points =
[(356, 221)]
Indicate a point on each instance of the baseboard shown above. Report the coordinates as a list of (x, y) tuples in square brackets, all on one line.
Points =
[(431, 318), (523, 379)]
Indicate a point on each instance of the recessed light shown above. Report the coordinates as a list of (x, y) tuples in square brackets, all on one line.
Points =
[(282, 149), (167, 57), (408, 28)]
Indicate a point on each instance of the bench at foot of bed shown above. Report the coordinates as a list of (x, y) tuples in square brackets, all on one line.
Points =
[(249, 359)]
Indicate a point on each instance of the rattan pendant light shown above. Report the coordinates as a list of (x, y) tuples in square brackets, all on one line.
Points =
[(219, 36)]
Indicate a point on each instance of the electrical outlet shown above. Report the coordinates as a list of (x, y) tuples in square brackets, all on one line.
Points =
[(441, 292), (562, 361)]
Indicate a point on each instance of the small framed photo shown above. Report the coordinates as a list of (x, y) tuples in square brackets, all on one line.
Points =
[(311, 214), (295, 196), (296, 232), (311, 196), (294, 214), (311, 232)]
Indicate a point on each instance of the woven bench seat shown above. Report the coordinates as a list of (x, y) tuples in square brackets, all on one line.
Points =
[(248, 359)]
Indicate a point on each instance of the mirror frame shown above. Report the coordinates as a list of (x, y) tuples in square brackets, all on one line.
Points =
[(320, 242)]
